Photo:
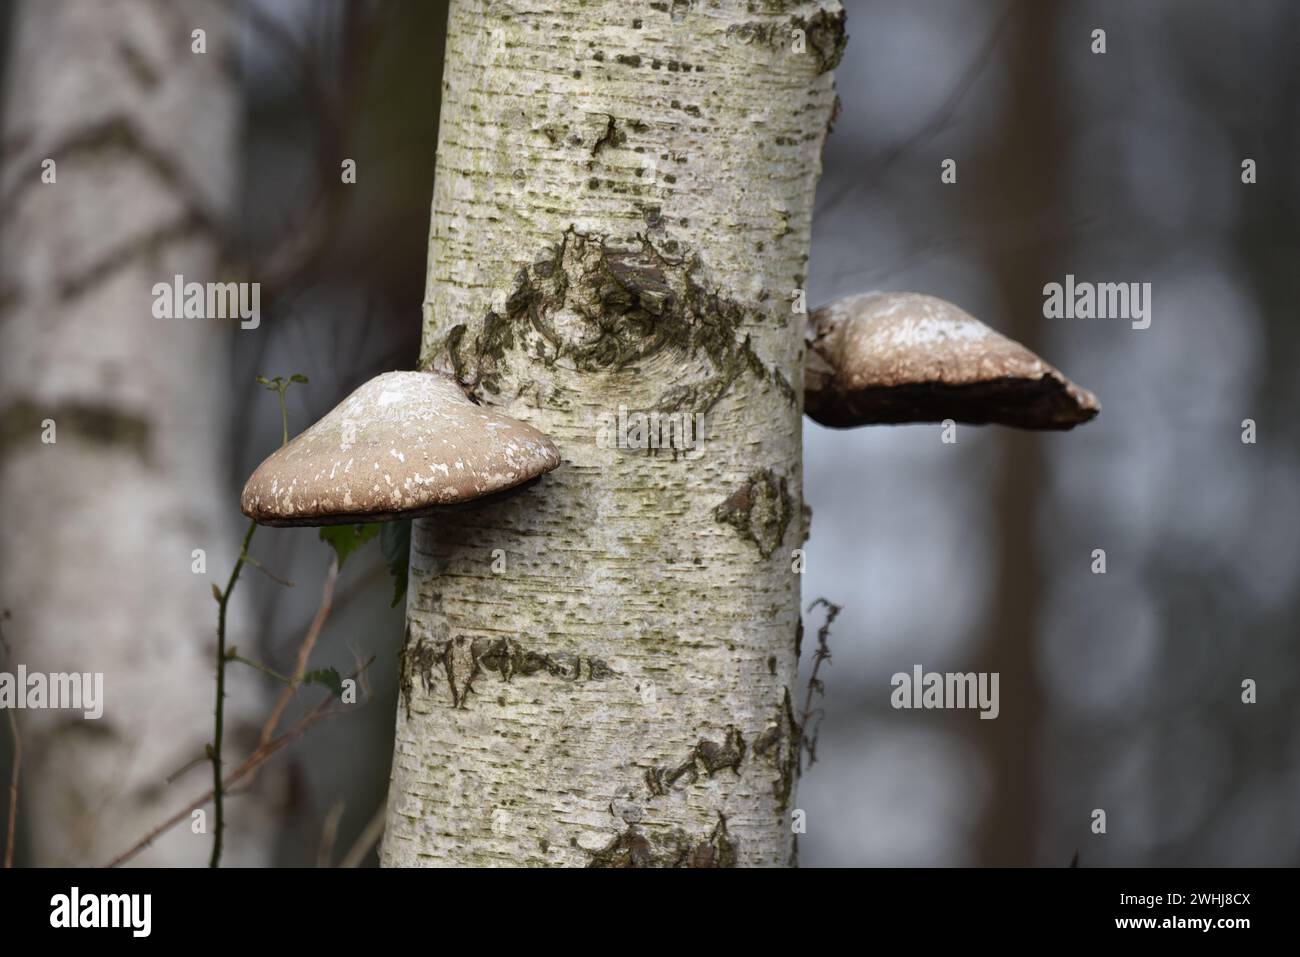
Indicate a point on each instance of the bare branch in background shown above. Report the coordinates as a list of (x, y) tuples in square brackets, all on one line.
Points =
[(250, 765), (304, 651), (291, 260), (807, 740), (329, 834), (933, 126), (368, 838)]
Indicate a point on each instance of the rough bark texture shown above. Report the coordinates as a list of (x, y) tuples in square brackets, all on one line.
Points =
[(98, 528), (620, 217)]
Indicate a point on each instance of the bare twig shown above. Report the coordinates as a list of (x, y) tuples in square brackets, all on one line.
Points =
[(308, 240), (367, 839), (219, 729), (250, 560), (329, 834), (254, 761), (280, 386), (815, 685), (258, 666), (937, 122), (357, 586), (304, 650), (172, 778)]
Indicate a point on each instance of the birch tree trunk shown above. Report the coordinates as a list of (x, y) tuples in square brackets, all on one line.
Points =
[(599, 669), (100, 527)]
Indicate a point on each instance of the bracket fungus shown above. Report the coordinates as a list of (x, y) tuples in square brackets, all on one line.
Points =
[(400, 446), (894, 357)]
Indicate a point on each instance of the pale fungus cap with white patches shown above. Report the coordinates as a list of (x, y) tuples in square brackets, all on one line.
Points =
[(400, 446), (895, 357)]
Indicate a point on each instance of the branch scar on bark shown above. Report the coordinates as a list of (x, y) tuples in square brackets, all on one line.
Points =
[(760, 510), (709, 755), (637, 847), (824, 36), (596, 306), (464, 660)]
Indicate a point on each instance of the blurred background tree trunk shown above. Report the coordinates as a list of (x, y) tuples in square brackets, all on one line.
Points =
[(1024, 169), (99, 557), (599, 669)]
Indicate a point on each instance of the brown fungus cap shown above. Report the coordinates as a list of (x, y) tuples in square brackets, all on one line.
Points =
[(399, 446), (895, 357)]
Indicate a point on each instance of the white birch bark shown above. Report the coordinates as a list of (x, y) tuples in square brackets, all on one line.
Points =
[(621, 216), (97, 530)]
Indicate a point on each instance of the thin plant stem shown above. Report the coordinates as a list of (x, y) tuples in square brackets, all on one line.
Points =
[(808, 740), (304, 651), (258, 666), (223, 600), (250, 765), (368, 838), (218, 804), (284, 415)]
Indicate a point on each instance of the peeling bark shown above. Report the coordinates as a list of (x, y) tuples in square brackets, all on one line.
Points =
[(621, 216)]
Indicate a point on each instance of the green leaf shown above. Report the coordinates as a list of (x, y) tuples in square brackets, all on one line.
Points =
[(395, 542), (346, 539), (326, 678), (298, 377)]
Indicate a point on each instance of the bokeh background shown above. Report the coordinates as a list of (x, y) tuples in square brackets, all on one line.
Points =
[(1119, 691)]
